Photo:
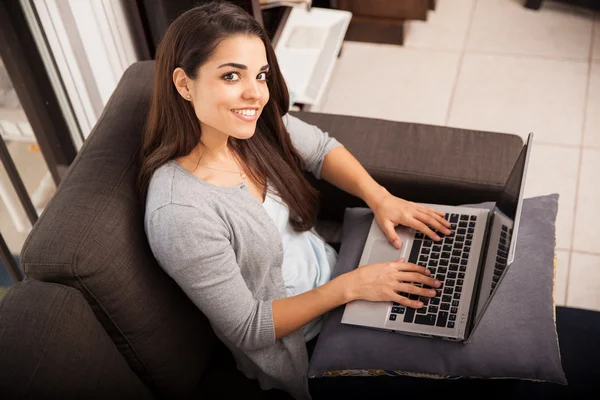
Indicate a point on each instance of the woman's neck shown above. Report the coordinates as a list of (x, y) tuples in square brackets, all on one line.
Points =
[(214, 147)]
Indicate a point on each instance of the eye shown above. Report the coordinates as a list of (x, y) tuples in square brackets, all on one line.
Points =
[(230, 77), (265, 75)]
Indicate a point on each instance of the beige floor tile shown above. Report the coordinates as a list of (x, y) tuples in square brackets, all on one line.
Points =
[(561, 275), (592, 121), (584, 281), (31, 167), (14, 239), (392, 82), (520, 95), (445, 28), (545, 176), (587, 217), (30, 164), (556, 30)]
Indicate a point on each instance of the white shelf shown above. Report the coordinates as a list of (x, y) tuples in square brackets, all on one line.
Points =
[(308, 48)]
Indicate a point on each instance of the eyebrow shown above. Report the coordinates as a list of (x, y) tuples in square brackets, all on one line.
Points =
[(242, 66)]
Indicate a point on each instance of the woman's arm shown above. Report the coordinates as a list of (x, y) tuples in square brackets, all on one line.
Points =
[(341, 169), (195, 250), (311, 143), (317, 149), (292, 313)]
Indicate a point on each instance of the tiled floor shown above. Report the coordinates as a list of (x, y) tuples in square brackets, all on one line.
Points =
[(31, 167), (497, 66)]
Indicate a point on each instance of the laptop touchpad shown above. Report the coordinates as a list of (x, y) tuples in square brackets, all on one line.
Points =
[(383, 251)]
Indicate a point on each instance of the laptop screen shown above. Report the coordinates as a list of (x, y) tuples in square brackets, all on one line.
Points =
[(511, 198), (503, 230)]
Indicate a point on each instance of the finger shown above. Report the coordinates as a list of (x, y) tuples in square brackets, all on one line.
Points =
[(433, 222), (412, 289), (390, 232), (439, 218), (420, 226), (418, 278), (437, 212), (405, 301), (404, 266)]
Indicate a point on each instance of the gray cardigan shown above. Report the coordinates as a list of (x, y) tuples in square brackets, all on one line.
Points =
[(222, 248)]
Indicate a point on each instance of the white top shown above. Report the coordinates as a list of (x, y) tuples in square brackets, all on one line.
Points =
[(307, 259)]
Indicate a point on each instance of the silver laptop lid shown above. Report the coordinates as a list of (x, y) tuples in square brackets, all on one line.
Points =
[(509, 205)]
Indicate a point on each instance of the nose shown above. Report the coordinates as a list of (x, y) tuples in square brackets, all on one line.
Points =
[(251, 91)]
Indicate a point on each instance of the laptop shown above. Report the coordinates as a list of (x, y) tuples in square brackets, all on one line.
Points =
[(470, 262)]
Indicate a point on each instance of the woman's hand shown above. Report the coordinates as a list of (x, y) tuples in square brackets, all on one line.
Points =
[(383, 281), (390, 211)]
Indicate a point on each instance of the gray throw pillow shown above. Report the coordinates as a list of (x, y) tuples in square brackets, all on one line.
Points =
[(517, 337)]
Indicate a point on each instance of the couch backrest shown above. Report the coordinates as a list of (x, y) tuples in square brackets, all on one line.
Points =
[(91, 237)]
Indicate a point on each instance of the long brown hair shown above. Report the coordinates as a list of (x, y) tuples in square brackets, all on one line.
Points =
[(172, 129)]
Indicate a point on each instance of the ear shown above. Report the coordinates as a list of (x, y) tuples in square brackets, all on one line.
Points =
[(182, 83)]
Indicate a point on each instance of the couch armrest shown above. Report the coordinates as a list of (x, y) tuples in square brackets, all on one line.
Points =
[(52, 346), (418, 162)]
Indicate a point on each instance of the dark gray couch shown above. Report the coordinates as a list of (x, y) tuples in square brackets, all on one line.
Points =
[(96, 317)]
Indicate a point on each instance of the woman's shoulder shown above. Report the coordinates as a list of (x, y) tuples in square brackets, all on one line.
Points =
[(169, 186), (160, 187)]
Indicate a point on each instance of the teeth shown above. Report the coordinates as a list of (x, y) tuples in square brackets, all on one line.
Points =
[(248, 113)]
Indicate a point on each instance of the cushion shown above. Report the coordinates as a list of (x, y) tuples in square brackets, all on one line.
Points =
[(53, 347), (91, 237), (517, 336)]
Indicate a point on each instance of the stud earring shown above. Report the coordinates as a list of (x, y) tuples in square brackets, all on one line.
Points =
[(189, 96)]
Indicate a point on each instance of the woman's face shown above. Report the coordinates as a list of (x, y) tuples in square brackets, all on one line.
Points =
[(231, 87)]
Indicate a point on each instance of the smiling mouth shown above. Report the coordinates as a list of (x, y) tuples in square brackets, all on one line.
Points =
[(248, 112)]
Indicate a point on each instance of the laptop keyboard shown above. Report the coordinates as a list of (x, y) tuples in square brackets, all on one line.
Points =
[(447, 261), (501, 256)]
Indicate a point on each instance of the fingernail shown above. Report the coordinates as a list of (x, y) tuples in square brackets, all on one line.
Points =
[(437, 237), (397, 243), (402, 260), (432, 292), (419, 304), (428, 272), (438, 283)]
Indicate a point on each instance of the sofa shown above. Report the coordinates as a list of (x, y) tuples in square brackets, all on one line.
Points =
[(96, 317)]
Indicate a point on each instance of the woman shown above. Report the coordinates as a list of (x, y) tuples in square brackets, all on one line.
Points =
[(229, 214)]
